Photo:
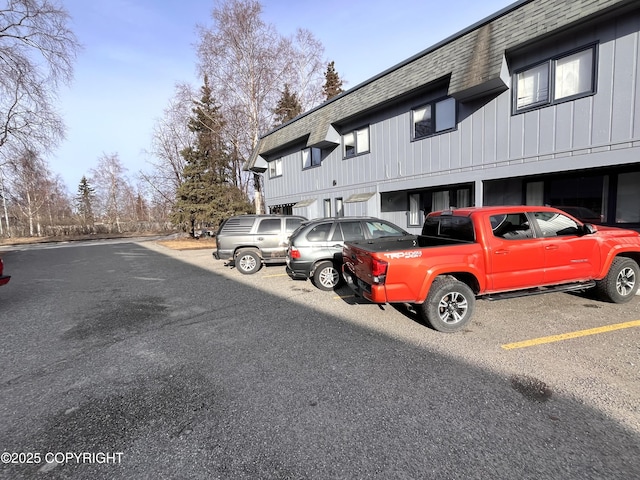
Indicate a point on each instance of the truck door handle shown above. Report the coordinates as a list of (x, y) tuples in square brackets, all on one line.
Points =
[(337, 245), (501, 252), (260, 238), (551, 247)]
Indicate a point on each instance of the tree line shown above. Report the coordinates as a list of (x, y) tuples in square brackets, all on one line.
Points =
[(253, 79)]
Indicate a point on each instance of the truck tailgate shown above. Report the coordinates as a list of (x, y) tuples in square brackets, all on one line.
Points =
[(361, 260)]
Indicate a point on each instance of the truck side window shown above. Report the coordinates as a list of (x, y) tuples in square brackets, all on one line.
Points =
[(514, 226), (556, 225)]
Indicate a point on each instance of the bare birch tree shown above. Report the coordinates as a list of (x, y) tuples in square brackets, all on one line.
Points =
[(112, 189), (31, 188), (307, 69), (171, 135), (37, 51), (248, 63)]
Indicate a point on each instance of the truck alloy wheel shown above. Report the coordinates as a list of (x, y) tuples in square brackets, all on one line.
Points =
[(449, 305), (621, 283)]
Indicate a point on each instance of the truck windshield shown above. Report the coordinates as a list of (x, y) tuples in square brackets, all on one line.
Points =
[(455, 228)]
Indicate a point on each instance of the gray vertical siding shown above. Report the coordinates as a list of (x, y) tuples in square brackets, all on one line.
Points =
[(491, 142)]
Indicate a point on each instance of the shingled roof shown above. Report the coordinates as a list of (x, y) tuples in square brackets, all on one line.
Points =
[(474, 60)]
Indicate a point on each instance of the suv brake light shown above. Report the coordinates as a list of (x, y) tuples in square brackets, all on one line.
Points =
[(294, 252), (379, 271)]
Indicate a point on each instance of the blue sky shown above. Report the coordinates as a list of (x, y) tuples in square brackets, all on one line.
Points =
[(136, 51)]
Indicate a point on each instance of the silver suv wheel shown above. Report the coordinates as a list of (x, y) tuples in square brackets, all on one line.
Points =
[(326, 276), (248, 262)]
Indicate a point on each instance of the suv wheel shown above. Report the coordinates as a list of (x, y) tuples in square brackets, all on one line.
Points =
[(248, 261), (326, 276)]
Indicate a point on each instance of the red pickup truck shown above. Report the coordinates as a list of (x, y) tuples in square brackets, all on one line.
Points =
[(4, 279), (492, 252)]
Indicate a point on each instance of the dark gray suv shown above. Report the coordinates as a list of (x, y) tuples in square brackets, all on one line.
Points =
[(251, 240), (315, 249)]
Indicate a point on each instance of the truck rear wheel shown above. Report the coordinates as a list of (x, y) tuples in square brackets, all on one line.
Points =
[(621, 283), (449, 305)]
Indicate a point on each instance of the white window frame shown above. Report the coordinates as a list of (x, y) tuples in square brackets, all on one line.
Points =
[(311, 157), (355, 142), (559, 79), (275, 168), (437, 116)]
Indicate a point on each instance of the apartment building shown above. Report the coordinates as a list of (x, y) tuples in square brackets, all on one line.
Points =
[(536, 104)]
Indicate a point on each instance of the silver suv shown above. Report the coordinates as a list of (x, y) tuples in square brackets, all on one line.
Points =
[(315, 249), (251, 240)]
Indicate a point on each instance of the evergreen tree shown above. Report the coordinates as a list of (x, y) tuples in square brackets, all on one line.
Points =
[(84, 201), (288, 106), (207, 194), (333, 84)]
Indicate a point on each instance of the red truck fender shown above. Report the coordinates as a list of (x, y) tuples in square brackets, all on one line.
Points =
[(466, 273), (617, 251)]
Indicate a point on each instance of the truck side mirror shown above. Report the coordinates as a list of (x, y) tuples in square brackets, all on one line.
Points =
[(589, 228)]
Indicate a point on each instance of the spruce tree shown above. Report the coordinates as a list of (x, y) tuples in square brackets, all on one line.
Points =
[(333, 84), (207, 194), (84, 201), (288, 106)]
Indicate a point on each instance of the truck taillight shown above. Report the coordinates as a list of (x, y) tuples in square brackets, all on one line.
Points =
[(379, 271), (294, 252)]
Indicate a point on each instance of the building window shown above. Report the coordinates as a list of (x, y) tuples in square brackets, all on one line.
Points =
[(533, 87), (355, 142), (327, 207), (556, 80), (311, 157), (440, 201), (339, 207), (275, 168), (414, 209), (628, 202), (435, 117)]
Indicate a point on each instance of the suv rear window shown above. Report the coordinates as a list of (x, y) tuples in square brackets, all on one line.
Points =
[(380, 229), (269, 225), (350, 231), (292, 224), (237, 225), (319, 233)]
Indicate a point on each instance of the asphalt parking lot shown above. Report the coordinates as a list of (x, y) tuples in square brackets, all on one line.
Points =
[(172, 365), (553, 344)]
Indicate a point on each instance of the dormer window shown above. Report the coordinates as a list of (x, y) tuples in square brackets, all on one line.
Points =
[(432, 118), (556, 80)]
